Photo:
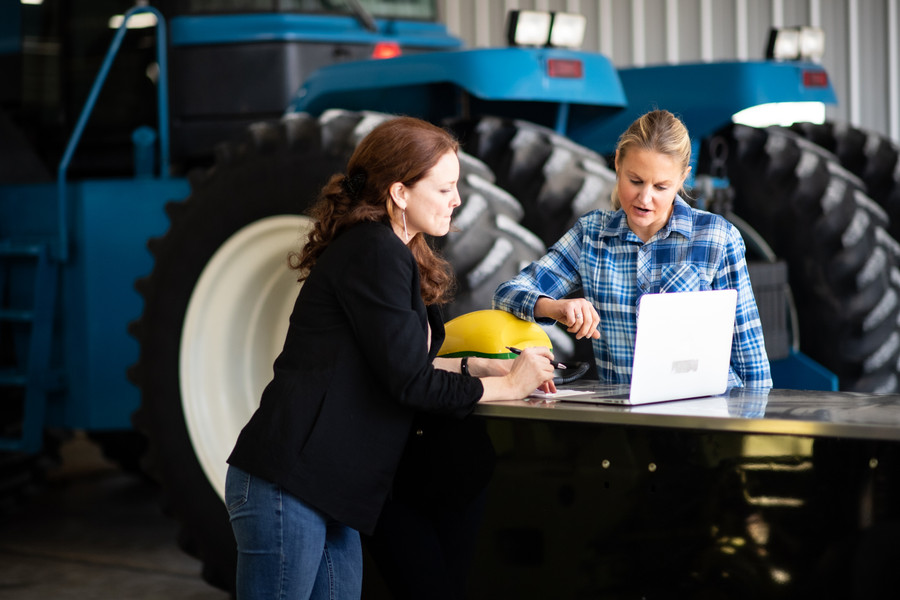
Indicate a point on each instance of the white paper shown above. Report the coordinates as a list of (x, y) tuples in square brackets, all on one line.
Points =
[(561, 393)]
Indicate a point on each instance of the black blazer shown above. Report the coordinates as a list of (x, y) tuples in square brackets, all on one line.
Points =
[(355, 367)]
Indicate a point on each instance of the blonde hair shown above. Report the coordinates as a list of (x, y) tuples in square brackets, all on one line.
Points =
[(659, 131)]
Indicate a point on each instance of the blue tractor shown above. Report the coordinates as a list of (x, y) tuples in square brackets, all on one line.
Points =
[(144, 231)]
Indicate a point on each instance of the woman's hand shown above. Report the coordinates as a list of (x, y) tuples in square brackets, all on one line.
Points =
[(531, 370), (495, 367), (577, 314)]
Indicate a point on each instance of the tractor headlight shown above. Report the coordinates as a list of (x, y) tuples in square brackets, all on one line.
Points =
[(567, 30), (528, 28), (540, 28), (784, 114), (812, 43), (796, 43)]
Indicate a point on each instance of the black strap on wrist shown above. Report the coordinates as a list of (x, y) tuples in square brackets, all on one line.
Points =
[(464, 366)]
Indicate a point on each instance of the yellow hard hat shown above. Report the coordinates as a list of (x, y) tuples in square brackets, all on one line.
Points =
[(487, 333)]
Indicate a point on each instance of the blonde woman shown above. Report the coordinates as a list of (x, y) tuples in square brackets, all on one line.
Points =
[(652, 242)]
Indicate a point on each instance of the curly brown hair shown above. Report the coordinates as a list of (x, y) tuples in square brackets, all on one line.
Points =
[(402, 149)]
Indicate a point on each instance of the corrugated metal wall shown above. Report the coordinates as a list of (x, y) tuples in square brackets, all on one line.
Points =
[(862, 49)]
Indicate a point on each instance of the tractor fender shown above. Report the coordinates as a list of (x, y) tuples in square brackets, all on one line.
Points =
[(404, 84), (707, 95)]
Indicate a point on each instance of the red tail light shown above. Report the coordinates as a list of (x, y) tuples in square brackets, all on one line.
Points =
[(815, 79), (386, 50), (565, 68)]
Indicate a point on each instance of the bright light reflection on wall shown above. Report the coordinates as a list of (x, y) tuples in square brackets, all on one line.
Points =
[(138, 21), (781, 113)]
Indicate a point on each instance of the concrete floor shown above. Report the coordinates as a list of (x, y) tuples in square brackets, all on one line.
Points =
[(93, 531)]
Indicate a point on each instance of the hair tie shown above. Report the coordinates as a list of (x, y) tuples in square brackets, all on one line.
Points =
[(353, 184)]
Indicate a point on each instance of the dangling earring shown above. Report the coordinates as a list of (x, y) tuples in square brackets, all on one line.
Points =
[(405, 231)]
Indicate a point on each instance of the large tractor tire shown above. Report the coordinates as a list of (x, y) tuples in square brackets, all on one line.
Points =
[(217, 302), (842, 262), (555, 179), (485, 249), (486, 245), (869, 155)]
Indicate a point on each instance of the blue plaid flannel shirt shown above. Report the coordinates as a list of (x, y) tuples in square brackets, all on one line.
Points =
[(603, 259)]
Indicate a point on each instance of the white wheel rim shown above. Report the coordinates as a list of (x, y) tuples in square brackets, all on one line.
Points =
[(234, 329)]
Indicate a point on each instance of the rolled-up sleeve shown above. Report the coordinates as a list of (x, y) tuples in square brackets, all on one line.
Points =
[(748, 350), (554, 275)]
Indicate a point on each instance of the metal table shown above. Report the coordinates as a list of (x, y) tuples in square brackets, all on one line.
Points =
[(752, 494), (740, 410)]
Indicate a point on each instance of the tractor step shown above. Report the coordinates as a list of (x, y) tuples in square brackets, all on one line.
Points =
[(28, 282), (13, 378), (23, 248), (16, 316)]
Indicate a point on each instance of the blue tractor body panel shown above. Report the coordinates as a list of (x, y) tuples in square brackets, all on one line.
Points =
[(10, 32), (797, 371), (327, 29), (430, 86), (705, 95), (592, 110), (110, 224)]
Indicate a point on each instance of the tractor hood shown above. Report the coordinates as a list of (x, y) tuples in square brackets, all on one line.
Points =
[(428, 85), (706, 95)]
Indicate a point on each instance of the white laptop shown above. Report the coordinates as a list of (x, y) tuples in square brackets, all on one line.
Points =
[(682, 349)]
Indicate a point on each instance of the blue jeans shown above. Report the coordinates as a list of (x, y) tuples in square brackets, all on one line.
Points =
[(288, 550)]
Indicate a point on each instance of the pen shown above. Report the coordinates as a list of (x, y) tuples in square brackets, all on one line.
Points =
[(517, 351)]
